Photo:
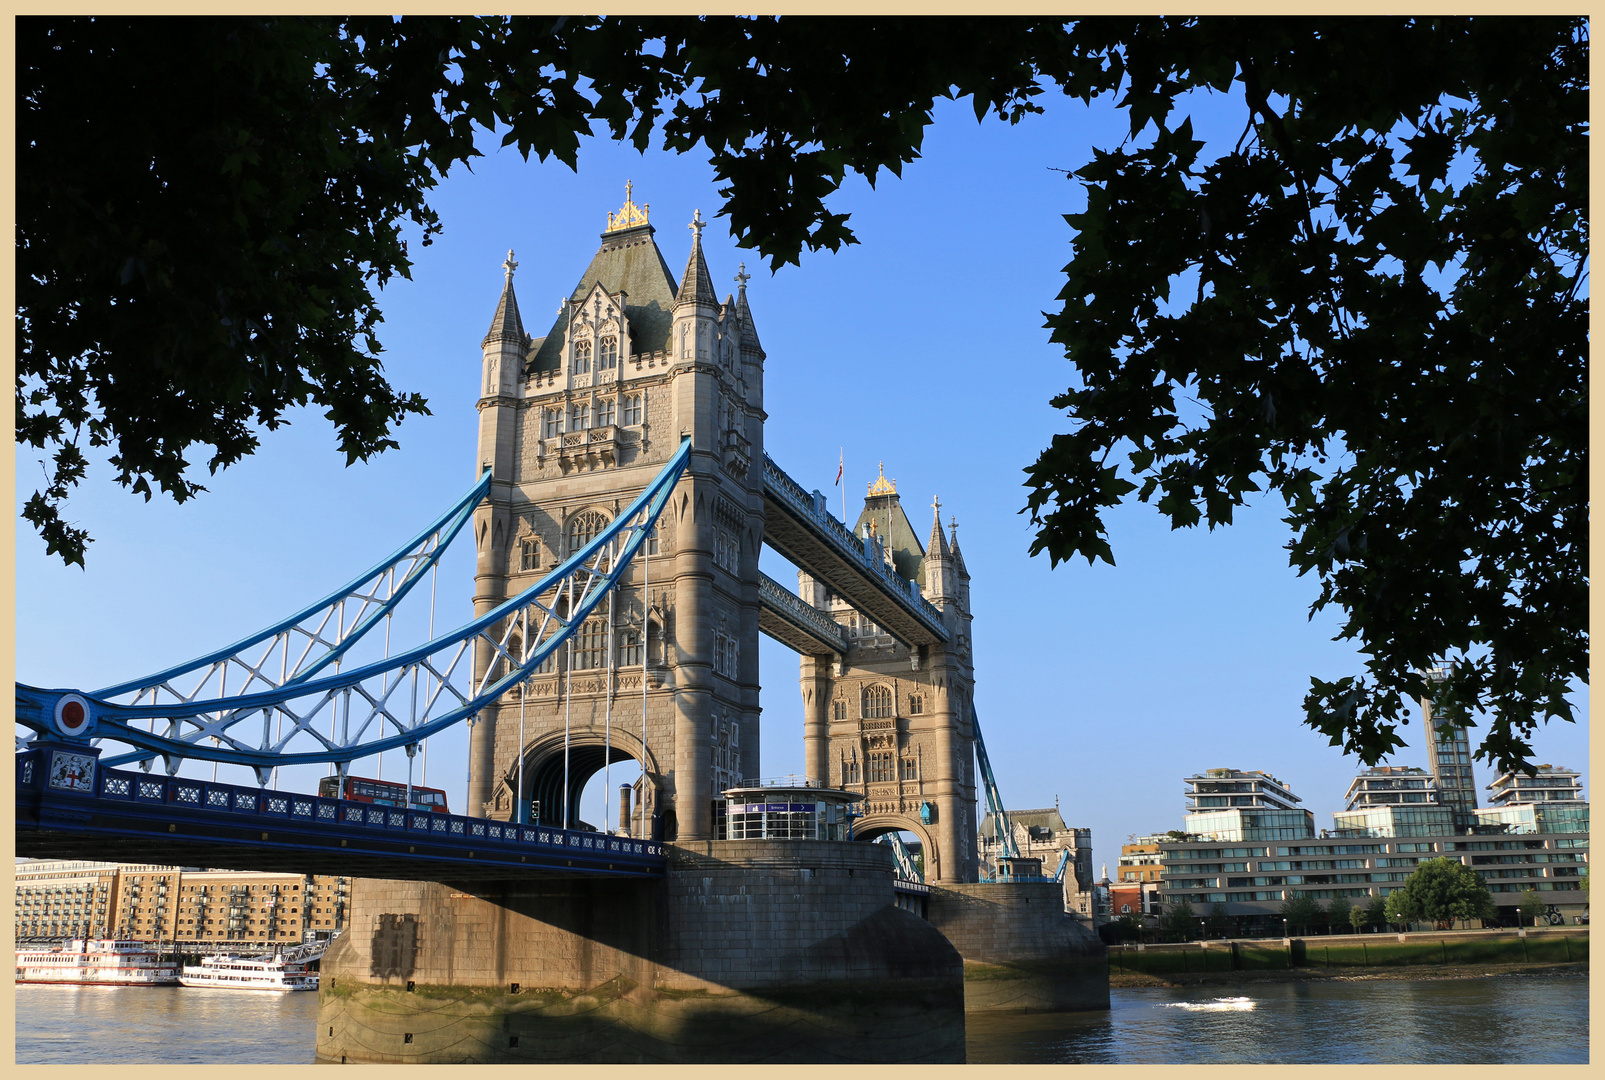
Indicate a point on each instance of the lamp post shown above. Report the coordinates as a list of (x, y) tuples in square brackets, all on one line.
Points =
[(1284, 927)]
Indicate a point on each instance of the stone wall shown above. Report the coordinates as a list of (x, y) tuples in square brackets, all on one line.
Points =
[(1022, 953), (750, 951)]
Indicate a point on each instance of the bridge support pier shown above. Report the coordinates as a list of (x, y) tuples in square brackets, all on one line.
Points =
[(1022, 953), (750, 951)]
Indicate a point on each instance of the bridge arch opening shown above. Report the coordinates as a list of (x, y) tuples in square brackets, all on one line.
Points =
[(914, 836), (585, 780)]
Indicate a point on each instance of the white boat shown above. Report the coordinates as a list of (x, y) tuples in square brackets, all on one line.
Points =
[(242, 973), (96, 962)]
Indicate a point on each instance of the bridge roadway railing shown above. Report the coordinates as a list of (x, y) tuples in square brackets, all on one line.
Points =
[(126, 803), (809, 620), (809, 509)]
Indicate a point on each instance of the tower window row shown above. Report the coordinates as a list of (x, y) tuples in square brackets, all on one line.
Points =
[(626, 409), (877, 703), (607, 355)]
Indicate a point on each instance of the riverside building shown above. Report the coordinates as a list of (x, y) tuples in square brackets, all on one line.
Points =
[(1229, 804), (1522, 842), (59, 899)]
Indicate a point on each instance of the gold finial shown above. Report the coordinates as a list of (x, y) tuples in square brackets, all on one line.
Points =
[(883, 486), (629, 215)]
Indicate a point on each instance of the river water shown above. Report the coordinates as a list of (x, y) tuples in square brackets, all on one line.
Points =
[(1520, 1019)]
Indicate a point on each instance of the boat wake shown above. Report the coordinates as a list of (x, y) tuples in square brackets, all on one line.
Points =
[(1230, 1004)]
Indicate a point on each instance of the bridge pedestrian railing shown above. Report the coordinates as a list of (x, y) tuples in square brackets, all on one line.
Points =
[(794, 607), (189, 798), (810, 507)]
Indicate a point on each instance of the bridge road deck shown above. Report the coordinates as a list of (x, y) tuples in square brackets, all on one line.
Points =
[(131, 816)]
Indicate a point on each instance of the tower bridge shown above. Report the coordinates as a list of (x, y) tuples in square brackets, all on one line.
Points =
[(624, 495)]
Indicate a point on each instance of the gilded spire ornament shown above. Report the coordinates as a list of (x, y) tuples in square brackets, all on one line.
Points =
[(883, 486), (629, 215)]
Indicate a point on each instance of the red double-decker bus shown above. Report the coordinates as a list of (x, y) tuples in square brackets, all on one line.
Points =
[(382, 793)]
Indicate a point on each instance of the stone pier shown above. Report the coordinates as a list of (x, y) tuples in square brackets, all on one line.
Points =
[(1022, 952), (749, 952)]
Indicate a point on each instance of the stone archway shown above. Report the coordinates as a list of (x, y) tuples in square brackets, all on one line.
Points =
[(587, 754), (870, 826)]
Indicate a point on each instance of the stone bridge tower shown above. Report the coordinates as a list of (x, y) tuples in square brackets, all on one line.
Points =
[(573, 425), (891, 722)]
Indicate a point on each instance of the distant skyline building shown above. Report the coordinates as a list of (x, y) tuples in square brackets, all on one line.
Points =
[(1549, 802), (1233, 804), (1449, 758)]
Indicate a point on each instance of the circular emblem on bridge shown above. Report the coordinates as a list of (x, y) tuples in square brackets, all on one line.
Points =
[(73, 715)]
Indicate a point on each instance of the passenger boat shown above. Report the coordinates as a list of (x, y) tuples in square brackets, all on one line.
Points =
[(240, 973), (96, 962)]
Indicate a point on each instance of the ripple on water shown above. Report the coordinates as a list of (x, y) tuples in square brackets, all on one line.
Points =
[(1536, 1020)]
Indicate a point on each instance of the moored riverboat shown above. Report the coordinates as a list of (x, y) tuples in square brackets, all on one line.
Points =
[(242, 973), (96, 962)]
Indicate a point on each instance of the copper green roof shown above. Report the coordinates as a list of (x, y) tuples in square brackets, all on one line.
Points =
[(628, 260)]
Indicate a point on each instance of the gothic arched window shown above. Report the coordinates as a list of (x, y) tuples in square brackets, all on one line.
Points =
[(604, 412), (579, 416), (629, 648), (877, 702), (582, 358), (609, 355), (583, 529)]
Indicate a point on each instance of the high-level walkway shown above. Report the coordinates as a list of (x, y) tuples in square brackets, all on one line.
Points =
[(798, 526)]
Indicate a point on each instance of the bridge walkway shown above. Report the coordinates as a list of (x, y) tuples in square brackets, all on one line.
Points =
[(799, 527)]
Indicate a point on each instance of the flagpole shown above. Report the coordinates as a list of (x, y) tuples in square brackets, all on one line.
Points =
[(841, 479)]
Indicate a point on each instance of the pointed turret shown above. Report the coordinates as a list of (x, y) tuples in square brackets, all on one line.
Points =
[(696, 284), (958, 556), (749, 330), (507, 322), (937, 548)]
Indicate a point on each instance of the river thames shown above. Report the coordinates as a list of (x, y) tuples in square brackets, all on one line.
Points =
[(1541, 1019)]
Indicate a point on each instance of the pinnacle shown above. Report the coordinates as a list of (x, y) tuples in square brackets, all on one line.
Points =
[(507, 320), (696, 284), (938, 543)]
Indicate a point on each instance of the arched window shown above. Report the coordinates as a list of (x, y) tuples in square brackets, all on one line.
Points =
[(609, 356), (632, 409), (579, 416), (877, 702), (583, 529), (554, 423), (582, 358), (604, 412)]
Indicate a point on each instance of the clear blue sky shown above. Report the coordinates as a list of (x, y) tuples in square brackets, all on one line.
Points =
[(923, 346)]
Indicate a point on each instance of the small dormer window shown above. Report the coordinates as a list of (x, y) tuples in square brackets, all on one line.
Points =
[(582, 358), (609, 356)]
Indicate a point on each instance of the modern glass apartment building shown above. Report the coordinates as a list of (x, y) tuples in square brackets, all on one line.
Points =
[(1374, 846), (1234, 805), (1392, 785)]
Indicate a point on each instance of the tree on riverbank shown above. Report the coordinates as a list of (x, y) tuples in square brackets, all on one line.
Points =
[(1180, 921), (1532, 906), (1439, 892), (1302, 912)]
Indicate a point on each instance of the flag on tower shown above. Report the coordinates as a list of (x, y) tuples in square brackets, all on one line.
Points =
[(841, 463)]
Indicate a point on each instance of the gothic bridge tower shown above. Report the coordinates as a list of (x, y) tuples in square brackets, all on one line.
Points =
[(893, 722), (573, 425)]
